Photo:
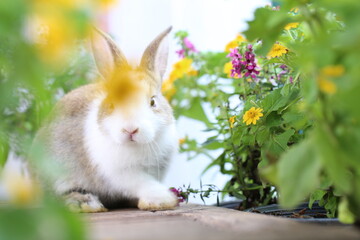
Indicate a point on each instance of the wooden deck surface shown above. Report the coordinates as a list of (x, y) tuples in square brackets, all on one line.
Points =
[(190, 222)]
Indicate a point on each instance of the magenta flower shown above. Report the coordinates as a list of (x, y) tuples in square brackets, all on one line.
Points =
[(243, 65), (291, 80), (283, 72), (178, 194), (189, 45)]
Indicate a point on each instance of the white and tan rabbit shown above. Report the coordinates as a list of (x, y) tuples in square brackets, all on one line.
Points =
[(113, 139)]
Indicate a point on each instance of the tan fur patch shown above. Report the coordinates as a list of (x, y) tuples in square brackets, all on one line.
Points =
[(126, 89)]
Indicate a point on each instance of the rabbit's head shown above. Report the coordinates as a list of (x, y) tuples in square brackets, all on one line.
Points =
[(132, 109)]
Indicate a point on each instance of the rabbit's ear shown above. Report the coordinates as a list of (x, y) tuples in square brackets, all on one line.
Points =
[(107, 55), (155, 56)]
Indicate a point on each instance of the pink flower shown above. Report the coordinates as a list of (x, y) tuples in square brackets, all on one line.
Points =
[(189, 45)]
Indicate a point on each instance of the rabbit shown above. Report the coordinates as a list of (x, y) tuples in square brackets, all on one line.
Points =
[(114, 139)]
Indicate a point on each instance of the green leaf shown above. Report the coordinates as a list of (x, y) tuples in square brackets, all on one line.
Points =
[(4, 151), (272, 120), (196, 112), (278, 143), (316, 196), (213, 63), (279, 98), (212, 143), (266, 26), (298, 173), (333, 159), (219, 161), (262, 135), (345, 215), (269, 173)]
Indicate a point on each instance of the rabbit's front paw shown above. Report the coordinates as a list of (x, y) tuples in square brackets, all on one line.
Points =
[(85, 203), (158, 200)]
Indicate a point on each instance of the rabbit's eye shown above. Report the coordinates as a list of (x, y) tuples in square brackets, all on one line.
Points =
[(152, 102)]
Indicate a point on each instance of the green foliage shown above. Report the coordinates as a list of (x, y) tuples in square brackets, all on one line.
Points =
[(271, 22), (33, 76), (305, 146), (300, 168), (30, 223)]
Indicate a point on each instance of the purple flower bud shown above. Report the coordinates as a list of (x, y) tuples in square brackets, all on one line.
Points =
[(283, 66), (181, 53)]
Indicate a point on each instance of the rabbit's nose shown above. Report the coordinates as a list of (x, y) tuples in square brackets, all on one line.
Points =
[(134, 131), (131, 132)]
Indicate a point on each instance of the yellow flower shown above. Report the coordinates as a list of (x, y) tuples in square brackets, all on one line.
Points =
[(325, 84), (69, 4), (295, 10), (180, 69), (182, 141), (192, 72), (252, 115), (291, 25), (277, 50), (54, 37), (227, 69), (333, 71), (232, 120), (21, 191), (106, 4), (168, 89), (50, 27), (234, 43), (184, 65)]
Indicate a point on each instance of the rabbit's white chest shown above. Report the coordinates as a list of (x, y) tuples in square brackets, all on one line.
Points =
[(120, 164)]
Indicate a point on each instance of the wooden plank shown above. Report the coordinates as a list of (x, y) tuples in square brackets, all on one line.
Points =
[(206, 222)]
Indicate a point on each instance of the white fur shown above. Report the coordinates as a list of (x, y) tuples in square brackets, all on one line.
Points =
[(132, 169)]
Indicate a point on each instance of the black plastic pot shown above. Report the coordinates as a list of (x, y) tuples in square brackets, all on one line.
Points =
[(302, 213)]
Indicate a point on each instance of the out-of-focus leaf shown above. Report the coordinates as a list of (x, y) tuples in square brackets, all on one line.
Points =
[(298, 173), (345, 215), (49, 222), (332, 158), (4, 150), (266, 26)]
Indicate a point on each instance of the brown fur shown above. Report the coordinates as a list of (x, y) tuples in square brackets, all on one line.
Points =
[(66, 141)]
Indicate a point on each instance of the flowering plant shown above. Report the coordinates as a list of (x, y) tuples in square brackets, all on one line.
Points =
[(280, 108), (239, 130)]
